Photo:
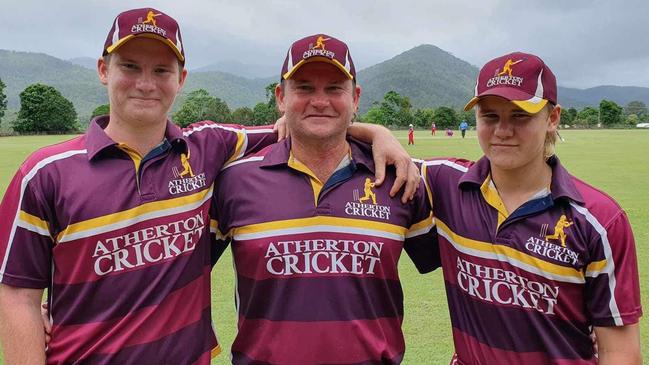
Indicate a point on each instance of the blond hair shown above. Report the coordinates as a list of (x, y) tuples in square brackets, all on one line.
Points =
[(550, 137)]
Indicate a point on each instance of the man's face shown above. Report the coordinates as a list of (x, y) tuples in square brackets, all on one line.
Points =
[(510, 137), (319, 102), (143, 79)]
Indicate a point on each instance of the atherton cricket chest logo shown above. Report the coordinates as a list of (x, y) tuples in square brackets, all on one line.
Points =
[(505, 287), (505, 75), (160, 241), (323, 256), (360, 208), (148, 25), (319, 49), (557, 251), (185, 180)]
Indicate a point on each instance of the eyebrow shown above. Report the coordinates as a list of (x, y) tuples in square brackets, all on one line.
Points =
[(130, 60)]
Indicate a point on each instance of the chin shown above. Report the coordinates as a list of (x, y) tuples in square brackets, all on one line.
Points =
[(504, 162)]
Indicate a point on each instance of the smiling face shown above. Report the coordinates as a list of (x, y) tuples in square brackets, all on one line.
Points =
[(143, 79), (319, 102), (510, 137)]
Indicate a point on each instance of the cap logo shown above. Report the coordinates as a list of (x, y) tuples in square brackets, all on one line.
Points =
[(505, 77), (150, 18), (318, 49), (149, 25)]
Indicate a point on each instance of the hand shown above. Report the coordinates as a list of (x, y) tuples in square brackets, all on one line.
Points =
[(47, 325), (388, 151), (281, 128)]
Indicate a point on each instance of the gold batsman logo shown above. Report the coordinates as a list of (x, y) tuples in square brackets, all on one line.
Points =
[(504, 76), (320, 43), (366, 205), (507, 68), (541, 245), (318, 49), (150, 18), (149, 25), (559, 232), (369, 193), (185, 180)]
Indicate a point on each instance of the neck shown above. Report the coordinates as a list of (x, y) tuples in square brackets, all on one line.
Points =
[(320, 157), (522, 182), (141, 137)]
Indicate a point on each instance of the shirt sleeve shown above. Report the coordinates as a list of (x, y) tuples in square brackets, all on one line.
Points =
[(25, 236), (220, 238), (421, 239), (241, 141), (612, 283)]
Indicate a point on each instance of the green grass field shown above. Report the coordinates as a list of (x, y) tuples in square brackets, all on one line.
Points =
[(616, 161)]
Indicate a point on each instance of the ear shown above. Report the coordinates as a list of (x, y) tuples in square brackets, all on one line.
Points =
[(102, 70), (183, 77), (357, 97), (279, 97), (554, 119)]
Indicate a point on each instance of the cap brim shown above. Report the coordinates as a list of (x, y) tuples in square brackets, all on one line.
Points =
[(166, 41), (530, 103), (342, 68)]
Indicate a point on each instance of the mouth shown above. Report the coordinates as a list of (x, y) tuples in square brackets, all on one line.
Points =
[(319, 116), (144, 99)]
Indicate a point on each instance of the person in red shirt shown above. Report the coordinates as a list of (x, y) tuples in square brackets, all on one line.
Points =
[(411, 135)]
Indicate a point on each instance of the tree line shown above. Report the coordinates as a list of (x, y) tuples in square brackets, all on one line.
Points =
[(44, 110)]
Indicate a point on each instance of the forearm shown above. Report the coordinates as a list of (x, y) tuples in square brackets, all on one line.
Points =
[(367, 132), (619, 345), (614, 358), (21, 327)]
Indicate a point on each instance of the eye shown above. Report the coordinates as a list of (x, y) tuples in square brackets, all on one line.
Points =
[(304, 87), (129, 66), (489, 117), (161, 70), (521, 115), (335, 88)]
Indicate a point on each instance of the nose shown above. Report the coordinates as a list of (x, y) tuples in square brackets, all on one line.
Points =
[(145, 82), (319, 100), (504, 128)]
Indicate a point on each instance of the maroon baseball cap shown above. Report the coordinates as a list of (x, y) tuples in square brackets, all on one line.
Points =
[(145, 22), (318, 48), (522, 78)]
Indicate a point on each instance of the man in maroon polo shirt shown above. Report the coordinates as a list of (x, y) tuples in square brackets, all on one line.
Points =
[(315, 243), (114, 222), (534, 259)]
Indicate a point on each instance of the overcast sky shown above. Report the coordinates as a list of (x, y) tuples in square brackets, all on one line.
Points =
[(586, 43)]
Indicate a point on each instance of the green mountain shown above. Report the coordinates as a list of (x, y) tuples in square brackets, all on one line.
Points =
[(622, 95), (21, 69), (81, 85), (428, 75)]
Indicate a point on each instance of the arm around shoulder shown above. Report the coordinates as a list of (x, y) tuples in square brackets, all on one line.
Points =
[(387, 150), (21, 327)]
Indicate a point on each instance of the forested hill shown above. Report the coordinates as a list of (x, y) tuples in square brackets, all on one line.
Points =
[(81, 85), (21, 69), (428, 75)]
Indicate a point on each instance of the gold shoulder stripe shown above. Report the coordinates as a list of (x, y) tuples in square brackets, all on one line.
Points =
[(238, 150), (423, 224), (130, 214), (319, 221), (34, 220), (595, 268), (512, 256)]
